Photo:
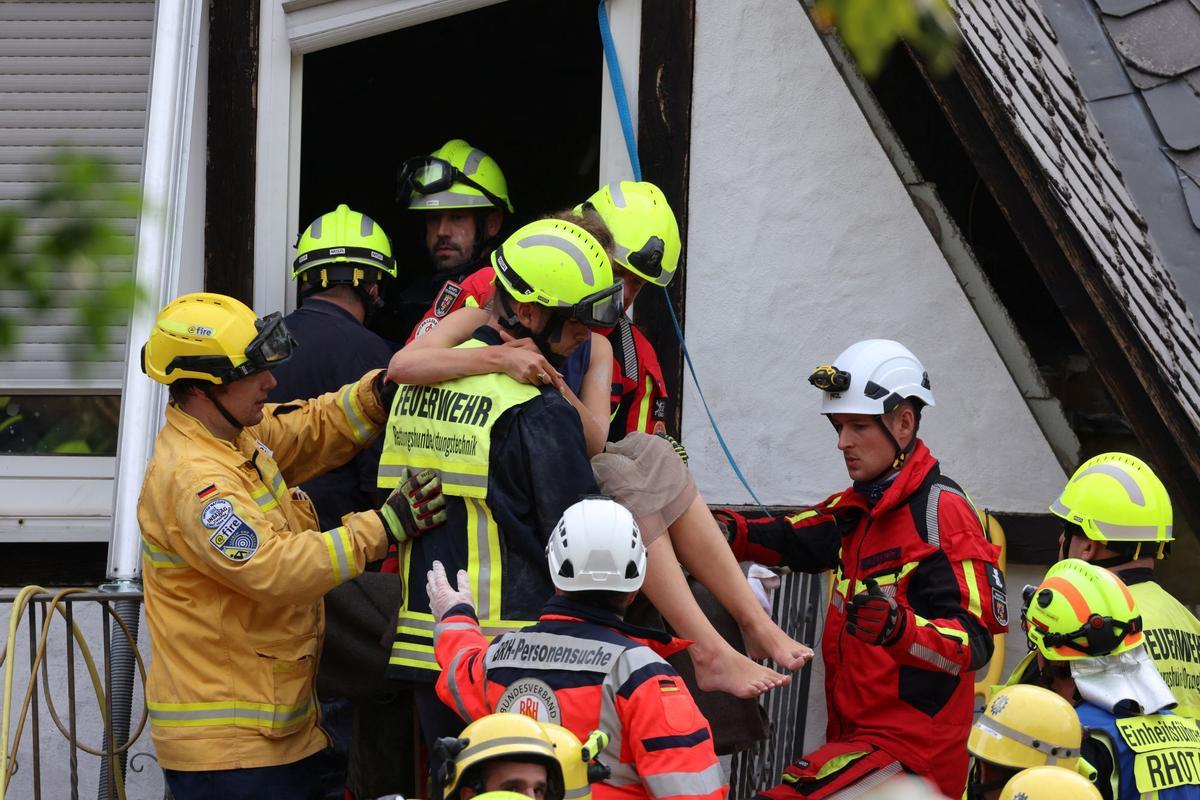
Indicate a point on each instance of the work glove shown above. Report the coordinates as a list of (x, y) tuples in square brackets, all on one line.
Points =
[(874, 617), (414, 506), (443, 597), (675, 445), (385, 390)]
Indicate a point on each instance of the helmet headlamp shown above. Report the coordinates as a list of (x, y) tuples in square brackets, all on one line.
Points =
[(829, 378)]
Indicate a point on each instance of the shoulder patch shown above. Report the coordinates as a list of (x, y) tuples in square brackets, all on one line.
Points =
[(533, 698), (427, 324), (207, 491), (235, 539), (446, 298), (215, 512)]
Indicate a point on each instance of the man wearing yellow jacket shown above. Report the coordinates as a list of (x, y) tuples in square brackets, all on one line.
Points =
[(235, 564)]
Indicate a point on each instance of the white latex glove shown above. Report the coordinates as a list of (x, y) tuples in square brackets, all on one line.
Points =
[(442, 596), (762, 583)]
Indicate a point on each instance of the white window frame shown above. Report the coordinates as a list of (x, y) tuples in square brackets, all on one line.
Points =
[(288, 29)]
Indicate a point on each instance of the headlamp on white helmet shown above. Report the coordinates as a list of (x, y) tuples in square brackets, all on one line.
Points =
[(872, 377), (596, 545)]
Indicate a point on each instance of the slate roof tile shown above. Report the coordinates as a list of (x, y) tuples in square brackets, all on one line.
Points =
[(1176, 109), (1162, 40), (1120, 8)]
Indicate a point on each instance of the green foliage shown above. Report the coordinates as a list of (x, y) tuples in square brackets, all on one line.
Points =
[(83, 248), (871, 28)]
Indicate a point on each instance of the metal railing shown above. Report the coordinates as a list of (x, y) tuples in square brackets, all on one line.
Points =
[(64, 625), (798, 609)]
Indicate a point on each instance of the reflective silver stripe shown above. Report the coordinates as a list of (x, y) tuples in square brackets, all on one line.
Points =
[(622, 774), (342, 571), (837, 602), (685, 784), (1058, 508), (265, 500), (527, 743), (630, 662), (360, 427), (448, 199), (627, 344), (159, 555), (582, 791), (931, 511), (472, 163), (459, 478), (1056, 752), (452, 685), (618, 196), (869, 783), (930, 656), (565, 246), (399, 651), (483, 600), (1130, 533), (621, 253), (221, 715), (366, 225), (452, 626), (314, 230), (423, 624), (277, 485), (1121, 476), (417, 622), (546, 651)]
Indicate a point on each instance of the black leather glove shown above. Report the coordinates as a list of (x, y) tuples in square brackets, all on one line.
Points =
[(874, 617), (414, 506), (385, 390)]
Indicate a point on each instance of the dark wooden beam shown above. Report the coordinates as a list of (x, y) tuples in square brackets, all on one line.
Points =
[(1094, 312), (232, 124), (664, 145)]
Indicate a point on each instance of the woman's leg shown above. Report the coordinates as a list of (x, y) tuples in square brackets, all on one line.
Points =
[(719, 668)]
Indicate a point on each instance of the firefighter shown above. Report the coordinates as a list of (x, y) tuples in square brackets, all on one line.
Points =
[(1049, 783), (501, 753), (463, 196), (1088, 634), (1022, 727), (916, 591), (510, 455), (234, 563), (1116, 514), (582, 666)]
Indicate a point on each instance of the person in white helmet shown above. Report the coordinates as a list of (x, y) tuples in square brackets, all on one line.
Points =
[(581, 665), (916, 592)]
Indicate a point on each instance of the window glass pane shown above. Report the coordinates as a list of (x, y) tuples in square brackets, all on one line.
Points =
[(59, 424)]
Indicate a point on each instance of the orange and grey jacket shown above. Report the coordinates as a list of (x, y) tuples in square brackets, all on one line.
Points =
[(586, 669), (235, 567)]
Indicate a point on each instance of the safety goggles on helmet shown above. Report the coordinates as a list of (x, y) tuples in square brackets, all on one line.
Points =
[(430, 175), (829, 378), (600, 309), (271, 347)]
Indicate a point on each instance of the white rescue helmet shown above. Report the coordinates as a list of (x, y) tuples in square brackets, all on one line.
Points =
[(871, 377), (596, 545)]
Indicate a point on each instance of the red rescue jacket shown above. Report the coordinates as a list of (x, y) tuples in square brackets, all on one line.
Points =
[(586, 669), (922, 543), (639, 393), (474, 290)]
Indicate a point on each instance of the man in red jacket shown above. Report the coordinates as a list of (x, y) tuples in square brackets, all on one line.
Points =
[(582, 666), (916, 594)]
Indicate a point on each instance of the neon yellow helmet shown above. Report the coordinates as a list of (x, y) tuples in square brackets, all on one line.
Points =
[(343, 247), (1116, 497), (456, 175), (643, 227), (558, 264), (1049, 783), (1081, 610), (1027, 726), (499, 737), (578, 759), (214, 338)]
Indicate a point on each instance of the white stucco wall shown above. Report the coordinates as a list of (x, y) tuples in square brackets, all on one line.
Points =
[(803, 240)]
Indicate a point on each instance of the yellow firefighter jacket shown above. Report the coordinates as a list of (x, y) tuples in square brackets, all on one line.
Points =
[(235, 569)]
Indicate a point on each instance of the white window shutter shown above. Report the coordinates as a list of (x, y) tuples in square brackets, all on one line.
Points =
[(74, 74)]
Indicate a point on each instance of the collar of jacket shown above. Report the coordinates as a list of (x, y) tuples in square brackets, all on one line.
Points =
[(562, 607), (916, 467), (240, 451), (319, 306)]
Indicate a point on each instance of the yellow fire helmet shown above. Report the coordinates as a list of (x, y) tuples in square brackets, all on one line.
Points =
[(343, 246), (1116, 497), (456, 175), (214, 338), (1080, 611), (1049, 783), (578, 759), (1027, 726), (500, 737), (642, 225)]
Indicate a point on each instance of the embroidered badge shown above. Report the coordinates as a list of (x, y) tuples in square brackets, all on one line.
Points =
[(215, 513), (427, 324), (1000, 606), (207, 491), (533, 698), (660, 408), (235, 540), (446, 299)]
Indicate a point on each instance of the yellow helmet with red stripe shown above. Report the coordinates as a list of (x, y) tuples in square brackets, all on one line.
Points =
[(1081, 610)]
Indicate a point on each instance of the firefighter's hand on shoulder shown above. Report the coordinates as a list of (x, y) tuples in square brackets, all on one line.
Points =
[(415, 506), (876, 618), (443, 597)]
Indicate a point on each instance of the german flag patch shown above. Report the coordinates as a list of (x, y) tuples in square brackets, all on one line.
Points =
[(207, 491), (667, 686)]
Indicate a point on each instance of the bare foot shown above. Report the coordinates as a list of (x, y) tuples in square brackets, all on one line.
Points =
[(765, 639), (727, 670)]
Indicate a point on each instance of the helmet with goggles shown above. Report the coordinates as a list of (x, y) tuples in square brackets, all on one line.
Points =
[(1117, 498), (455, 176), (343, 247), (213, 338), (559, 265), (643, 228), (1081, 610)]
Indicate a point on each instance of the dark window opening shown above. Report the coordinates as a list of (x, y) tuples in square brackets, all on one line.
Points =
[(519, 80)]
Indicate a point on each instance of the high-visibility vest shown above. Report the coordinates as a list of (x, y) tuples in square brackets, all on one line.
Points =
[(1155, 755), (1173, 641), (447, 427)]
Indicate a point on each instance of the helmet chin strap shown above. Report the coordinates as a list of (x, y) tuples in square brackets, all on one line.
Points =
[(902, 453), (232, 420)]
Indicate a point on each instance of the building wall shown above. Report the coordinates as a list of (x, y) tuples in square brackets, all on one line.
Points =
[(803, 240)]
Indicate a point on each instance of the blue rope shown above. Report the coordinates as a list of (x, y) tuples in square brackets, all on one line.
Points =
[(618, 87)]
